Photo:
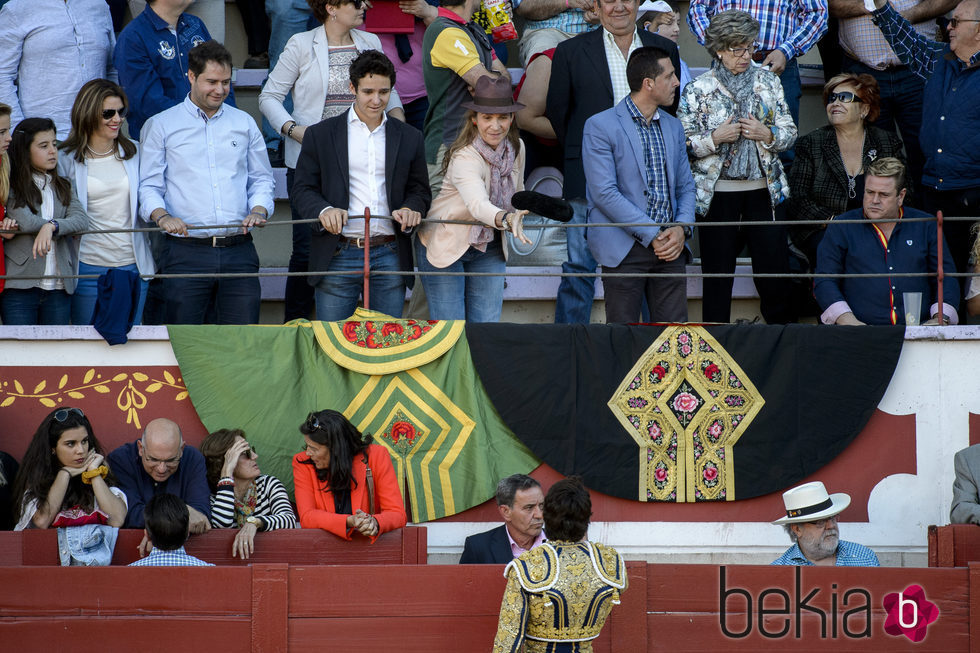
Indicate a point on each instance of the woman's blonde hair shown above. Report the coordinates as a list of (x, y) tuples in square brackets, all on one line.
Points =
[(4, 164), (468, 131)]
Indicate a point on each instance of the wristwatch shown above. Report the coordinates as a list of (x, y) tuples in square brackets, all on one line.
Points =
[(56, 226), (505, 223), (255, 521)]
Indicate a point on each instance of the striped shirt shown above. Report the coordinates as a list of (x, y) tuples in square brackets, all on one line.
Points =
[(570, 21), (849, 554), (862, 40), (271, 505), (791, 26), (176, 558), (617, 63), (655, 159)]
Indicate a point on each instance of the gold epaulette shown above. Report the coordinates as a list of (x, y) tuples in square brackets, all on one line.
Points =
[(609, 564), (536, 569)]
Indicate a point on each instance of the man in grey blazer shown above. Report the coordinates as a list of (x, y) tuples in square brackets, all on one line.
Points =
[(966, 499), (636, 171)]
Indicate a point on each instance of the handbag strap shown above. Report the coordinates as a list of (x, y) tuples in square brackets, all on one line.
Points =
[(369, 478)]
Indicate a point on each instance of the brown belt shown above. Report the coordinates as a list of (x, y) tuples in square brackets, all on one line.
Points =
[(374, 241), (760, 55)]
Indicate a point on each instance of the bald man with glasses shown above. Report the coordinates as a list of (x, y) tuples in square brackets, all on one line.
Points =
[(160, 463)]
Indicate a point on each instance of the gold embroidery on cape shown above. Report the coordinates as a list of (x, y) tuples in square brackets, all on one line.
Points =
[(686, 403), (130, 399)]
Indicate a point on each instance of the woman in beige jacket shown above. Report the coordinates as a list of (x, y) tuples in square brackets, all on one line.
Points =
[(483, 169)]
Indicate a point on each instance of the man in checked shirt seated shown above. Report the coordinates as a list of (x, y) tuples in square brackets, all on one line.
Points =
[(888, 246)]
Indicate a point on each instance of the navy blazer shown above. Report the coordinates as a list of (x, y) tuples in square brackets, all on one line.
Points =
[(615, 170), (488, 548), (323, 179), (581, 87)]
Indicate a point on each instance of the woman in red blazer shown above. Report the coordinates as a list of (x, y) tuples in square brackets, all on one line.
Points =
[(331, 480)]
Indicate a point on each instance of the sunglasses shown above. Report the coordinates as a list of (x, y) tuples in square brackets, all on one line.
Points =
[(107, 114), (954, 22), (312, 423), (62, 415), (357, 3), (248, 453), (844, 96)]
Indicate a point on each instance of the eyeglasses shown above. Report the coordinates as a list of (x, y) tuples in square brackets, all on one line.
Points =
[(741, 52), (954, 22), (62, 415), (107, 114), (155, 462), (845, 97), (824, 523)]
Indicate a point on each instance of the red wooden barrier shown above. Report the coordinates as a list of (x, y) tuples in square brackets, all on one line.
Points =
[(405, 546), (436, 608), (954, 545)]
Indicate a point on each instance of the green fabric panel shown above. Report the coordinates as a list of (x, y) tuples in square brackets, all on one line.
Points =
[(266, 380)]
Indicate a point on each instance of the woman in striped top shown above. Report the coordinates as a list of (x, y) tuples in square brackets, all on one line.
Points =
[(241, 496)]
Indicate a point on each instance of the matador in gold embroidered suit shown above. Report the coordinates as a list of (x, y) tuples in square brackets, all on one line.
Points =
[(558, 597)]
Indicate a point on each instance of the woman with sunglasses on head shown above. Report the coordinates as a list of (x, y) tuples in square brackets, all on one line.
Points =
[(737, 122), (315, 67), (103, 166), (64, 480), (827, 176), (344, 483), (241, 495), (45, 211)]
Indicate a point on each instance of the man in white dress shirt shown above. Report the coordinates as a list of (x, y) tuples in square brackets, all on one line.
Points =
[(355, 161)]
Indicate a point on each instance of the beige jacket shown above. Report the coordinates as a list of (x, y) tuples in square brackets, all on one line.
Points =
[(465, 195)]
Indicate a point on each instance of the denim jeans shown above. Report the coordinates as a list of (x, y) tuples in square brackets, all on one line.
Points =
[(286, 18), (87, 293), (474, 299), (198, 300), (575, 294), (337, 295), (792, 90), (34, 306)]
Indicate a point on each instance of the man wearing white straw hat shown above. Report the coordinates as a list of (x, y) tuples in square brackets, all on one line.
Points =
[(811, 522)]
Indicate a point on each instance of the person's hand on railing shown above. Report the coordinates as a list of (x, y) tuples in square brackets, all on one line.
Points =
[(42, 242), (407, 218), (8, 224), (199, 522), (253, 219), (514, 223), (333, 220), (172, 225)]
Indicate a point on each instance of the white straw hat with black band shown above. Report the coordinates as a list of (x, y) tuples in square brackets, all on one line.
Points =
[(810, 502)]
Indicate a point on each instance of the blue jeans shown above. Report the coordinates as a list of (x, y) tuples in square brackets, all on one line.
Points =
[(87, 293), (198, 300), (336, 296), (34, 306), (792, 90), (474, 299), (286, 18), (575, 294)]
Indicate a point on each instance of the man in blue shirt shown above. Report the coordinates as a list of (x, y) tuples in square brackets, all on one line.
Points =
[(811, 522), (205, 179), (151, 58), (167, 529), (160, 463), (885, 247)]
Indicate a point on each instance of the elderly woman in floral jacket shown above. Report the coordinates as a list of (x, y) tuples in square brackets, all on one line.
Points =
[(737, 121)]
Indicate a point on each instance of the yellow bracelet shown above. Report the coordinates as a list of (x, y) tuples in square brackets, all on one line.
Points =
[(101, 470)]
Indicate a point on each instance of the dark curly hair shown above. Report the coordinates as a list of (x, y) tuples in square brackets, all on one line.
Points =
[(213, 449), (567, 510)]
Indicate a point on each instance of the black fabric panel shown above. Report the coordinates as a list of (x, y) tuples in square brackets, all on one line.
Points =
[(551, 385)]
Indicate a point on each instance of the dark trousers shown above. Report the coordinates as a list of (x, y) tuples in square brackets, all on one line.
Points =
[(299, 293), (901, 113), (666, 296), (767, 246), (958, 235), (205, 299), (256, 25)]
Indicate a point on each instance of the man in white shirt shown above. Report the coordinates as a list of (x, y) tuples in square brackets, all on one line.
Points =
[(205, 179), (361, 160)]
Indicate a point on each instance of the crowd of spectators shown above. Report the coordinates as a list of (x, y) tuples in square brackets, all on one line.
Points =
[(189, 162)]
